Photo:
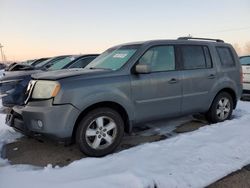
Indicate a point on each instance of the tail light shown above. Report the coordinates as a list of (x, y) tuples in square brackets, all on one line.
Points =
[(241, 76)]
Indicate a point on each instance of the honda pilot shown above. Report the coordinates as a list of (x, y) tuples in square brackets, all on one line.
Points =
[(128, 85)]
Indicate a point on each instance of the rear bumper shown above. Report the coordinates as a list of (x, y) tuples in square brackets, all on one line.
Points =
[(246, 89), (56, 122), (246, 86)]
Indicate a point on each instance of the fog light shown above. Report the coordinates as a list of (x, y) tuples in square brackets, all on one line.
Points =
[(40, 124)]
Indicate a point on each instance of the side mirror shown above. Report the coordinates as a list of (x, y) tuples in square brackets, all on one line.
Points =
[(142, 69)]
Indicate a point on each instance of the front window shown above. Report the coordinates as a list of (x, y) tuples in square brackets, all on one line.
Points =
[(113, 59), (160, 58)]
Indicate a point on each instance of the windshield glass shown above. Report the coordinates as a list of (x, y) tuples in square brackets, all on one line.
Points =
[(40, 64), (245, 60), (28, 62), (49, 62), (114, 58), (62, 63)]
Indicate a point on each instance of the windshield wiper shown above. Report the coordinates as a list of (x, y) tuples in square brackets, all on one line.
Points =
[(100, 68)]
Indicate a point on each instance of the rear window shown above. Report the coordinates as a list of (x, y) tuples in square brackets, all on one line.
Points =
[(245, 60), (226, 57)]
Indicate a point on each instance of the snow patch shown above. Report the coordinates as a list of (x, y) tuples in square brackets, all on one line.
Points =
[(194, 159)]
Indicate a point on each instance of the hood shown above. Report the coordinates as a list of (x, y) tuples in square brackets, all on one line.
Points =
[(65, 73), (17, 74)]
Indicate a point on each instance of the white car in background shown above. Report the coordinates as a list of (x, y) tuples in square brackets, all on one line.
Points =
[(245, 62)]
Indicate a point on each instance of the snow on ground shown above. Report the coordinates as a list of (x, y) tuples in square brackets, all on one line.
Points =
[(193, 159), (7, 135)]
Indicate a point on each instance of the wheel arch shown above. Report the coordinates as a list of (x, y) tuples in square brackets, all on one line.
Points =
[(229, 91), (110, 104)]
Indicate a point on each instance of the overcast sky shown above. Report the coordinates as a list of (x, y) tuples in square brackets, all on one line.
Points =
[(37, 28)]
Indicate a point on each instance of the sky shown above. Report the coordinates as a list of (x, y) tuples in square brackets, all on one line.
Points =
[(42, 28)]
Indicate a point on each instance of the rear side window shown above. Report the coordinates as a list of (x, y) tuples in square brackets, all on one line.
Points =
[(193, 57), (226, 57)]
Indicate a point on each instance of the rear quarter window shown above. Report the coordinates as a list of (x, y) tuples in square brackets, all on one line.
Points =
[(226, 57)]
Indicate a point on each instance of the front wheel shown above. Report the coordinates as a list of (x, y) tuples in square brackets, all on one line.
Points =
[(100, 132), (221, 108)]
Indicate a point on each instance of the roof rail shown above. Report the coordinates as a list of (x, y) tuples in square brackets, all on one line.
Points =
[(194, 38)]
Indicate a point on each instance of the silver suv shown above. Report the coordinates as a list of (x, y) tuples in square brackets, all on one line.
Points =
[(128, 85)]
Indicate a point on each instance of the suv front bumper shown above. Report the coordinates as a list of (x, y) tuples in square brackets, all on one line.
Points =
[(55, 121)]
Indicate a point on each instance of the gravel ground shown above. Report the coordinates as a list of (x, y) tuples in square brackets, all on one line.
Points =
[(238, 179)]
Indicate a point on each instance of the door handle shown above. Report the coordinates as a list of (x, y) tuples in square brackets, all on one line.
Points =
[(173, 81), (211, 76)]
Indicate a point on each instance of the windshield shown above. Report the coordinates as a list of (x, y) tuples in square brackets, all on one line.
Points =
[(114, 58), (28, 62), (62, 63), (40, 64), (49, 62), (245, 60)]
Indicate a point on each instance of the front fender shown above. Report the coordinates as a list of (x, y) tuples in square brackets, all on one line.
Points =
[(84, 93), (115, 96)]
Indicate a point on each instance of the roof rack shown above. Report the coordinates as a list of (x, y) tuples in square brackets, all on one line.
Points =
[(194, 38)]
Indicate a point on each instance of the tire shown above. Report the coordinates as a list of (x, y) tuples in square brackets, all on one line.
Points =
[(100, 132), (221, 108)]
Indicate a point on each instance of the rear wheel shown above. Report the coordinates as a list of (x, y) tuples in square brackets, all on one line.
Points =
[(221, 108), (100, 132)]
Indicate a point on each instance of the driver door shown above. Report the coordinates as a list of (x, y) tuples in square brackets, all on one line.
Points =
[(157, 94)]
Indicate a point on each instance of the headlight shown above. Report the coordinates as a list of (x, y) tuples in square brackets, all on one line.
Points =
[(45, 89)]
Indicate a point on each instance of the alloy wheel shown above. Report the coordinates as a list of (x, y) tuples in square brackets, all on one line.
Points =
[(223, 108), (101, 132)]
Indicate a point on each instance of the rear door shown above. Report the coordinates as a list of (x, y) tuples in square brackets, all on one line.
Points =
[(199, 76), (157, 94)]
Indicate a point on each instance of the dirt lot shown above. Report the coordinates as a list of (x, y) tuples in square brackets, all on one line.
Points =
[(41, 152)]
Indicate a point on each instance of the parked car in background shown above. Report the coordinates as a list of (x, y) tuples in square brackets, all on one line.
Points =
[(74, 61), (128, 85), (2, 66), (26, 65), (36, 61), (14, 84), (245, 63)]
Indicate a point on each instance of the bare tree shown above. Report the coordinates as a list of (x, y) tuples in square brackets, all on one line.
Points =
[(247, 49), (237, 48)]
